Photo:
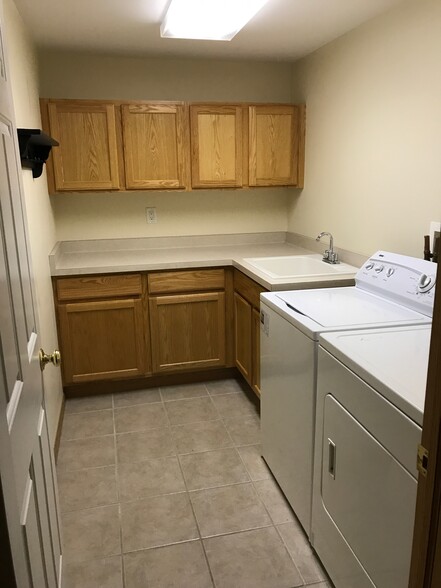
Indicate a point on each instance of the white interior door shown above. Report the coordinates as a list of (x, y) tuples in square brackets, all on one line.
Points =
[(26, 464)]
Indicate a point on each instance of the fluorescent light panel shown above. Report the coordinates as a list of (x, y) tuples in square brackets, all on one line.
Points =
[(211, 20)]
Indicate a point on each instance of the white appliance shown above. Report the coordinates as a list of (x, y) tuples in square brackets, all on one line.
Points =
[(370, 401), (391, 290)]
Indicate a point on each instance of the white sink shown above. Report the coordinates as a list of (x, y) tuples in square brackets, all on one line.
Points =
[(295, 266)]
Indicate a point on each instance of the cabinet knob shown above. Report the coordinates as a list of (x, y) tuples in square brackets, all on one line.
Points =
[(54, 358)]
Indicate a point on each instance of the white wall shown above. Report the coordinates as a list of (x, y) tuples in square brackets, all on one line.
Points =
[(373, 164), (88, 216), (41, 224)]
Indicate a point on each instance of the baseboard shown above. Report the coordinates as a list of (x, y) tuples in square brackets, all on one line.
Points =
[(114, 386)]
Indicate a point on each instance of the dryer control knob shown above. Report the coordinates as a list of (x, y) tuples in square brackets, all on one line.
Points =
[(390, 272), (379, 269), (369, 265), (424, 283)]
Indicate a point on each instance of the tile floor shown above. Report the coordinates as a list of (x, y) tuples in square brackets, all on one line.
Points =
[(166, 488)]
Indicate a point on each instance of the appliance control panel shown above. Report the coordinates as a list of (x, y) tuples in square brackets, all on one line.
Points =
[(405, 280)]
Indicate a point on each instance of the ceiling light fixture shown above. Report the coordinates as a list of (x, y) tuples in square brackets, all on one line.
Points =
[(211, 20)]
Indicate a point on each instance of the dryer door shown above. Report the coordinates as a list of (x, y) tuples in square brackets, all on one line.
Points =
[(369, 496)]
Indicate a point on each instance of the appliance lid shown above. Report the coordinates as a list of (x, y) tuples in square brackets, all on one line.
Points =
[(393, 361), (347, 307)]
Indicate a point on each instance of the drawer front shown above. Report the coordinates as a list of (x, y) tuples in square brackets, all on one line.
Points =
[(186, 281), (89, 287), (248, 288)]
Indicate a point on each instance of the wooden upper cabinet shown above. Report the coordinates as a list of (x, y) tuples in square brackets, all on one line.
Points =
[(155, 145), (158, 145), (216, 146), (276, 145), (87, 158)]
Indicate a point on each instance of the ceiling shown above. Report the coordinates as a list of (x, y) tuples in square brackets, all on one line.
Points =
[(282, 30)]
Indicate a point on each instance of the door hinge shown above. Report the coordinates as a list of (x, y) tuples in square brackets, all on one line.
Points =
[(422, 460)]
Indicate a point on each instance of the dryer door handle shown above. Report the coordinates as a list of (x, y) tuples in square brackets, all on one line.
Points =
[(332, 454)]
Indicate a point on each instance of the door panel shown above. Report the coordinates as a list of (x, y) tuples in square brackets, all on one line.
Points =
[(188, 331), (255, 338), (273, 145), (23, 476), (216, 146), (242, 339), (369, 496), (102, 340), (155, 145), (32, 534), (87, 158)]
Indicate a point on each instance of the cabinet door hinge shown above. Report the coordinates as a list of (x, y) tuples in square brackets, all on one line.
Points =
[(422, 460)]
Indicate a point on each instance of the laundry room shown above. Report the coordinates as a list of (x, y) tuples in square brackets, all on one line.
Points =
[(218, 280)]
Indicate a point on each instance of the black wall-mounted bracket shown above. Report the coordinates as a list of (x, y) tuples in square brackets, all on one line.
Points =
[(35, 147)]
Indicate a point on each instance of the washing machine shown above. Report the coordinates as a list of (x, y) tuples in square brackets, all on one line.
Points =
[(369, 413), (390, 290)]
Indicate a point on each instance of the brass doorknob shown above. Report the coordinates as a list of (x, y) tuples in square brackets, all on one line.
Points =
[(54, 358)]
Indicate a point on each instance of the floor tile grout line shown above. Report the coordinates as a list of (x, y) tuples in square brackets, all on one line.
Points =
[(76, 470), (68, 414), (191, 504), (289, 553), (186, 491), (118, 491)]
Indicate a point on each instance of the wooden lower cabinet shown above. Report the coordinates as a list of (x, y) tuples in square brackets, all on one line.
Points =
[(242, 336), (255, 350), (247, 328), (102, 340), (122, 326), (187, 331)]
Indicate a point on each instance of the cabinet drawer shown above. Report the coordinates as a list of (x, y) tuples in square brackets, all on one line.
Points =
[(88, 287), (248, 288), (187, 281)]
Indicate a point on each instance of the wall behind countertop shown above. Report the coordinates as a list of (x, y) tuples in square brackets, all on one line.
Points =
[(373, 142), (88, 216)]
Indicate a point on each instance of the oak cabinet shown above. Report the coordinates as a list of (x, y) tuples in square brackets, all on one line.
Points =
[(188, 331), (276, 145), (242, 336), (247, 328), (116, 145), (87, 157), (101, 327), (216, 146), (255, 347), (187, 319), (155, 139)]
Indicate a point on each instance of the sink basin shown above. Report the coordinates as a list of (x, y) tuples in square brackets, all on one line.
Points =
[(295, 266)]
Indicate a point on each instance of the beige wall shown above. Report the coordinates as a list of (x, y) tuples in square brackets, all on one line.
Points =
[(373, 172), (24, 80), (88, 216)]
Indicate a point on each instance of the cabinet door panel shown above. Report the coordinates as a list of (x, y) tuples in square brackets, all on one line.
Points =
[(87, 158), (255, 336), (242, 329), (155, 145), (273, 145), (102, 340), (188, 331), (216, 137)]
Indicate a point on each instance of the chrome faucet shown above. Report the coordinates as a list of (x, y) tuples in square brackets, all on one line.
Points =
[(329, 255)]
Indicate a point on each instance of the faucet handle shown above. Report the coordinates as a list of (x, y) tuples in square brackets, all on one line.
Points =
[(332, 256)]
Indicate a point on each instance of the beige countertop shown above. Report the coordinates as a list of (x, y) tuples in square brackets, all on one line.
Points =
[(168, 253)]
